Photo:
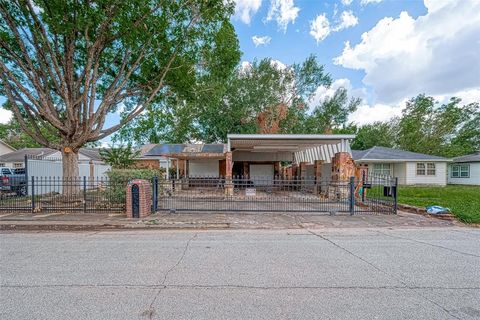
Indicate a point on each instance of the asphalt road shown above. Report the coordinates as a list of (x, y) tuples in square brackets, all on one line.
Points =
[(382, 273)]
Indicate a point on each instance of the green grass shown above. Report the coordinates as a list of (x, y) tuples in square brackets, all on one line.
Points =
[(463, 201)]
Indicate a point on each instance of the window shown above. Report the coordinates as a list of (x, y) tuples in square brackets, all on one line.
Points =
[(428, 169), (460, 171), (18, 165), (381, 169), (2, 164), (420, 169)]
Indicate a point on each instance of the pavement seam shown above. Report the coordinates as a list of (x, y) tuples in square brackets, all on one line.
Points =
[(429, 244), (406, 286), (232, 286), (150, 312)]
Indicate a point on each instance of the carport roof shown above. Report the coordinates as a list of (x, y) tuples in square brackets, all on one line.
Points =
[(284, 142)]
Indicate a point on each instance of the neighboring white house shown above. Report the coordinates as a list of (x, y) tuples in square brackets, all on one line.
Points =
[(465, 170), (411, 168), (5, 148)]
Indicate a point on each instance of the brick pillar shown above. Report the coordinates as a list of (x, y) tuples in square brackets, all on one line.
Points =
[(317, 169), (343, 167), (144, 197), (228, 174)]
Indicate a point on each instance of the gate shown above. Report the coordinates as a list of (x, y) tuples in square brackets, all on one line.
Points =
[(264, 194)]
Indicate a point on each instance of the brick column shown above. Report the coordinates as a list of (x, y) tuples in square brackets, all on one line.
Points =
[(317, 169), (144, 197), (228, 174)]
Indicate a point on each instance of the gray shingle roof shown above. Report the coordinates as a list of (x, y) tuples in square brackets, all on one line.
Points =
[(468, 158), (382, 153)]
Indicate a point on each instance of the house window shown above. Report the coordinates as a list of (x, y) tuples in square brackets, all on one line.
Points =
[(428, 169), (420, 169), (17, 165), (2, 164), (460, 171), (381, 169)]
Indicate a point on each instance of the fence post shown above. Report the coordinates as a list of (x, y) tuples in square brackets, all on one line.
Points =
[(84, 194), (25, 165), (154, 194), (352, 195), (395, 196), (33, 194)]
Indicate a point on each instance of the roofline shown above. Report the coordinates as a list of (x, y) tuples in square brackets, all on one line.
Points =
[(8, 145), (402, 160), (464, 161), (289, 136)]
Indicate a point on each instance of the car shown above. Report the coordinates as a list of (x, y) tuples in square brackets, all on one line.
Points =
[(10, 181)]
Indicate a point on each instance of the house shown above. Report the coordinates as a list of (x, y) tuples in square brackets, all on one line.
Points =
[(150, 162), (16, 159), (465, 170), (411, 168), (5, 148), (255, 155)]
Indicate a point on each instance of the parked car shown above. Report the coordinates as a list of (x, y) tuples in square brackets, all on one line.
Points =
[(12, 182)]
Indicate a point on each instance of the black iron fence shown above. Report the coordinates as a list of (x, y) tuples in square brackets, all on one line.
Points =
[(83, 194), (369, 194), (276, 194)]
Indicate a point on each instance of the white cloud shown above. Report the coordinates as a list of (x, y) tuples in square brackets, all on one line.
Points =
[(245, 9), (366, 2), (320, 27), (261, 40), (5, 115), (347, 20), (436, 54), (347, 2), (283, 12), (366, 114)]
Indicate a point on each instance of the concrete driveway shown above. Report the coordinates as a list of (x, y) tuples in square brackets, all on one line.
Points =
[(354, 273)]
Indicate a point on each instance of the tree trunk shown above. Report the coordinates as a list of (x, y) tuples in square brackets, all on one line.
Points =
[(71, 179)]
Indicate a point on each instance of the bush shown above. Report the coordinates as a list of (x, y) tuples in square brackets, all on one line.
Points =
[(119, 178)]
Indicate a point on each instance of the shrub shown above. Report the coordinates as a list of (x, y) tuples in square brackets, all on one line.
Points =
[(119, 178)]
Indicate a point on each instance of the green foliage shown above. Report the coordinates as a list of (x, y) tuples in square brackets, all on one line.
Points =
[(332, 113), (382, 134), (462, 200), (119, 178), (121, 157), (427, 127), (66, 64)]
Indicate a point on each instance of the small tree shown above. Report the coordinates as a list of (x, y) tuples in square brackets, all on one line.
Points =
[(121, 157), (66, 64)]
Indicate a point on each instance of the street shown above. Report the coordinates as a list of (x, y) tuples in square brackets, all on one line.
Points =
[(334, 273)]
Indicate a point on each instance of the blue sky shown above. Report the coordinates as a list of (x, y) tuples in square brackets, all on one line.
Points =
[(383, 51)]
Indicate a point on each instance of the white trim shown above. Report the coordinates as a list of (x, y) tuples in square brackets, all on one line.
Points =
[(289, 136)]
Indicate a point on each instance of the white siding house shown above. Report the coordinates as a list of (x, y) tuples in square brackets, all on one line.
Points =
[(410, 168), (465, 170)]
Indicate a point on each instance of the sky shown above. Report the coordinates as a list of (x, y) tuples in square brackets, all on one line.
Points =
[(382, 51)]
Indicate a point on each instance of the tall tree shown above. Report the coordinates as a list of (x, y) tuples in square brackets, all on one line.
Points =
[(332, 113), (66, 64), (428, 127), (379, 133)]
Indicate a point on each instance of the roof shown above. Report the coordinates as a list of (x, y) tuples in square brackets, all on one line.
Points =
[(394, 155), (475, 157), (183, 151), (7, 145), (284, 142), (19, 155)]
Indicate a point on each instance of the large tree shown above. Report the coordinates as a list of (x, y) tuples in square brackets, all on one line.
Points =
[(66, 64)]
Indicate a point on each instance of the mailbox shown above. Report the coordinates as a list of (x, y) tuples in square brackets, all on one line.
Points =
[(139, 198)]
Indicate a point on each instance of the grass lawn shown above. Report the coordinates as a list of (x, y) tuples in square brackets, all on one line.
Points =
[(464, 201)]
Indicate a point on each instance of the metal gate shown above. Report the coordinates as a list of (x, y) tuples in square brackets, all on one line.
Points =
[(264, 194)]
